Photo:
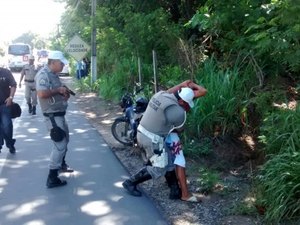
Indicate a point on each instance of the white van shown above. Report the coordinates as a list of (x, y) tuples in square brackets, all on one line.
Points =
[(18, 56)]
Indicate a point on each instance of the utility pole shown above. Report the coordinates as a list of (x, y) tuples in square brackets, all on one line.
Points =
[(140, 70), (94, 46), (154, 70)]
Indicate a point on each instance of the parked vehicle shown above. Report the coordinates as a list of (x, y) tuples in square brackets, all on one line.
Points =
[(42, 58), (124, 128), (18, 56), (65, 71)]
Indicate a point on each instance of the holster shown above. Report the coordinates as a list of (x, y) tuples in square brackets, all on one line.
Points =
[(56, 133), (160, 157)]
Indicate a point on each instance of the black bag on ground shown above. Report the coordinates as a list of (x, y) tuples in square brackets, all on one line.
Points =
[(16, 110), (56, 133)]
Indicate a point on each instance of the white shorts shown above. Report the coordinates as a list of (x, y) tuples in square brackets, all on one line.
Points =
[(179, 159), (174, 140)]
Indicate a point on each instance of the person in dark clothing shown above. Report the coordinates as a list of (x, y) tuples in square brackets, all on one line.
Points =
[(87, 66), (7, 91)]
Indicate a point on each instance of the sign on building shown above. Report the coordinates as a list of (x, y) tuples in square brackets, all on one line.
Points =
[(77, 48)]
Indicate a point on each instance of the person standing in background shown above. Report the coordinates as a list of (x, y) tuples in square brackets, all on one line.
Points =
[(79, 71), (87, 66), (30, 71)]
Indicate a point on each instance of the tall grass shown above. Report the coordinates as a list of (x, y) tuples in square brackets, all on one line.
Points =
[(280, 131), (123, 77), (281, 182), (220, 109), (280, 175)]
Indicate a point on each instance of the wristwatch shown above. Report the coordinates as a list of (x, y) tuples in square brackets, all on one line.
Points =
[(11, 97)]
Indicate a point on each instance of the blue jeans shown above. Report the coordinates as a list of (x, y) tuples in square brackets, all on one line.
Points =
[(6, 127)]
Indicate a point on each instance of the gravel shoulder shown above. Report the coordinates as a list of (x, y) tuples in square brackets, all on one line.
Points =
[(216, 208)]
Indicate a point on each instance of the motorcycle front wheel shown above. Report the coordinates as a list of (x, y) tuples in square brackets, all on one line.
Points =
[(122, 131)]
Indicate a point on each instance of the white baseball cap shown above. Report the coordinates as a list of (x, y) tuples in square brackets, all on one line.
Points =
[(58, 55), (31, 57), (187, 95)]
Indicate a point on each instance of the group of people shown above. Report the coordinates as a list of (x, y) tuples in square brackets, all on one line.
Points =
[(158, 132), (158, 137), (46, 86), (82, 68)]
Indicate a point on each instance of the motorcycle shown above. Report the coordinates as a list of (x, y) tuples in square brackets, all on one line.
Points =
[(124, 128)]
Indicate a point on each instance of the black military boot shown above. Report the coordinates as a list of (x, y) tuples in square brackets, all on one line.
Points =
[(53, 180), (175, 191), (34, 110), (65, 167), (131, 184), (29, 107), (11, 147)]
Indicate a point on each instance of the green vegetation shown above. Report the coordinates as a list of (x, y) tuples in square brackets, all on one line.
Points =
[(247, 55), (244, 208), (280, 177), (208, 179)]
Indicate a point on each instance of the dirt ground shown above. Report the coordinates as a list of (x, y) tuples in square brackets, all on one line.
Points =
[(217, 208)]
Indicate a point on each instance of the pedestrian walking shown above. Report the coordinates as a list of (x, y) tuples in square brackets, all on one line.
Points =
[(53, 99), (7, 91), (29, 71), (157, 136)]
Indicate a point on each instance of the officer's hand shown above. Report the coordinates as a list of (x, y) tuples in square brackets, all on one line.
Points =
[(67, 96), (64, 91)]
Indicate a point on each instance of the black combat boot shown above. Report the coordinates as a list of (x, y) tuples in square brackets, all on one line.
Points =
[(34, 110), (53, 180), (131, 184), (11, 147), (65, 167), (175, 191), (29, 107)]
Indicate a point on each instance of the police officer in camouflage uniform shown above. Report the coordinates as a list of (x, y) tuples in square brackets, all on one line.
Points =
[(29, 71), (53, 97), (166, 113)]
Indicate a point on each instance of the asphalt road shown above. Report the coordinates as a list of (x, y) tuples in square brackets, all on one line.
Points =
[(94, 194)]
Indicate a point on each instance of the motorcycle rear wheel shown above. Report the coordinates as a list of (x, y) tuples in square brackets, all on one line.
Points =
[(122, 131)]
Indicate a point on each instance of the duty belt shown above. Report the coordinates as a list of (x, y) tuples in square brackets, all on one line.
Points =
[(54, 114), (148, 134), (29, 81)]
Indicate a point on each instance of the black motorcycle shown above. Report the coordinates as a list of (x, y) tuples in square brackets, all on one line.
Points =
[(124, 128)]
